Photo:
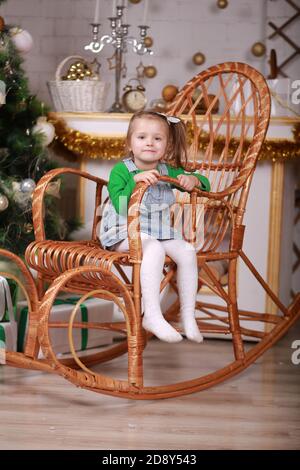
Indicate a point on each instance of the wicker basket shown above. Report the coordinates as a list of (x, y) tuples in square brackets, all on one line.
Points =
[(81, 96)]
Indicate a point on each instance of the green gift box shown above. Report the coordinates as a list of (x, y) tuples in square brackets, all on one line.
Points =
[(94, 310), (8, 338), (8, 325), (13, 288)]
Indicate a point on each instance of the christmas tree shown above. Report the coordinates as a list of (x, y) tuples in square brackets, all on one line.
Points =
[(24, 136)]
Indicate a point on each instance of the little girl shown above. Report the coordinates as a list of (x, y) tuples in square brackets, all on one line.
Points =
[(152, 140)]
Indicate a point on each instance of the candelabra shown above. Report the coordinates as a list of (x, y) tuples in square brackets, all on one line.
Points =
[(120, 40)]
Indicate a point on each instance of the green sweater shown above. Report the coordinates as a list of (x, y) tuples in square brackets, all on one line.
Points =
[(121, 183)]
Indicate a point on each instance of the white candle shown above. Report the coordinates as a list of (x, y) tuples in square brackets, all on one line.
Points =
[(97, 11), (114, 12), (144, 22), (125, 11)]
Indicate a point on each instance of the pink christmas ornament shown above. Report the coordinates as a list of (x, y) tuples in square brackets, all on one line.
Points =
[(21, 39)]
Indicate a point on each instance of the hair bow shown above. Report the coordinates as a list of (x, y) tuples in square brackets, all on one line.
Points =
[(170, 119)]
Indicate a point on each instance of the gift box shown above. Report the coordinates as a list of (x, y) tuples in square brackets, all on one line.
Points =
[(92, 310), (14, 291), (8, 324), (8, 338)]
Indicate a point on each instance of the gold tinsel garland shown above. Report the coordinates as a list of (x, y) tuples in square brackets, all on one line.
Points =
[(85, 145), (107, 148)]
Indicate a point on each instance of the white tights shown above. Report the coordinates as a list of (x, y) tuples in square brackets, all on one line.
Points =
[(184, 255)]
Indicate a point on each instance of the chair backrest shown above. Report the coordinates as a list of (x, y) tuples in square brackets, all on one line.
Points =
[(227, 111)]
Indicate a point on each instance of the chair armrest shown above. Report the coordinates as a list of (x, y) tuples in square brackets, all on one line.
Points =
[(39, 193), (134, 236), (133, 226), (235, 185)]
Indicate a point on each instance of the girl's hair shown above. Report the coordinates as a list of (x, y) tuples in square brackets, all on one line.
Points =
[(177, 146)]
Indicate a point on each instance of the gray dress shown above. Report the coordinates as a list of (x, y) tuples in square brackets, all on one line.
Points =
[(155, 217)]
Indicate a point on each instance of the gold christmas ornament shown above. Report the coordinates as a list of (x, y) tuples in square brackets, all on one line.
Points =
[(199, 58), (150, 71), (258, 49), (148, 41), (222, 4), (134, 1), (2, 23), (169, 92)]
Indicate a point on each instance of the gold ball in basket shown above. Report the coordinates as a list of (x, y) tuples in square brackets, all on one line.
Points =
[(148, 41), (222, 4), (258, 49), (70, 76), (78, 71), (150, 71), (199, 58), (169, 92)]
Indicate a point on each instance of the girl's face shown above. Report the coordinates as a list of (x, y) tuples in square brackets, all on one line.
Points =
[(148, 142)]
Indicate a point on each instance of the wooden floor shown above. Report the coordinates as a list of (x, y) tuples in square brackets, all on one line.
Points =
[(259, 409)]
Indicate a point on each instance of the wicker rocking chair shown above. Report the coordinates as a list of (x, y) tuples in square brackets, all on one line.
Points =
[(225, 148)]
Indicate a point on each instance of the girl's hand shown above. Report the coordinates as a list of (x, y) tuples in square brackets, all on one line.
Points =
[(150, 177), (188, 181)]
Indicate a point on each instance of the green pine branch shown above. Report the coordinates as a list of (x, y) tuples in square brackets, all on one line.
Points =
[(22, 156)]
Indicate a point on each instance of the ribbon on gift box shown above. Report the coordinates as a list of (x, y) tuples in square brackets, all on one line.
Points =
[(68, 301), (13, 288), (8, 330)]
